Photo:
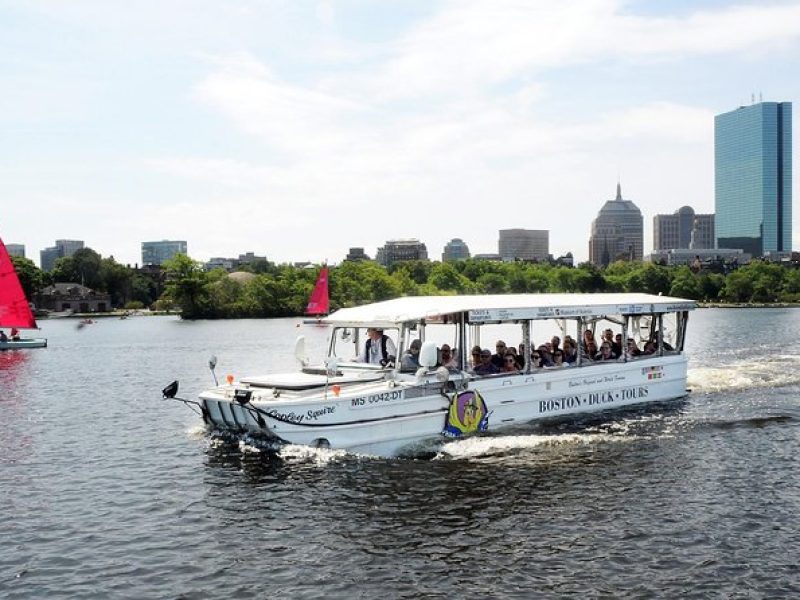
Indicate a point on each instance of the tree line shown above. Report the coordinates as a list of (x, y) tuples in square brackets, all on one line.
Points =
[(283, 290), (272, 290)]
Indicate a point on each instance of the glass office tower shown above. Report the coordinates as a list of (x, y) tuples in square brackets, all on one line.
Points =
[(753, 178)]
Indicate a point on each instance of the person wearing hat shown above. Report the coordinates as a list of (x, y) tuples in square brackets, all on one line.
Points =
[(379, 348), (486, 366), (410, 361)]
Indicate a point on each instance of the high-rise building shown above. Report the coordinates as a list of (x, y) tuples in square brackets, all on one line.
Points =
[(524, 244), (753, 178), (62, 249), (357, 254), (399, 250), (155, 253), (16, 250), (683, 229), (455, 249), (617, 232)]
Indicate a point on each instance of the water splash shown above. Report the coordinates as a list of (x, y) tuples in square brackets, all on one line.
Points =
[(306, 454), (475, 447), (197, 432), (755, 372)]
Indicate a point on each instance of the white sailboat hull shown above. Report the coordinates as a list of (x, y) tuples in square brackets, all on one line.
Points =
[(23, 343)]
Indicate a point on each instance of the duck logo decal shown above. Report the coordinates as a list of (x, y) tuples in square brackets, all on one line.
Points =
[(467, 414)]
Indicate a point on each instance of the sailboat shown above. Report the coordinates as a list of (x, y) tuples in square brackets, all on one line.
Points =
[(318, 302), (15, 312)]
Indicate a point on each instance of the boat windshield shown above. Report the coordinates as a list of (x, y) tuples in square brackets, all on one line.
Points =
[(347, 343)]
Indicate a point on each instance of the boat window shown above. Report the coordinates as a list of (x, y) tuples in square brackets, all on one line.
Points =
[(347, 343), (440, 334)]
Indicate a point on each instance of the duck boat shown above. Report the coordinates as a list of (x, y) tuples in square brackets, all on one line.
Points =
[(383, 410)]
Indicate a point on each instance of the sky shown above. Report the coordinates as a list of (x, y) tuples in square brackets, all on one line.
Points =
[(297, 130)]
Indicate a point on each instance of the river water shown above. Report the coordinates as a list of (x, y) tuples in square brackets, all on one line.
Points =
[(107, 491)]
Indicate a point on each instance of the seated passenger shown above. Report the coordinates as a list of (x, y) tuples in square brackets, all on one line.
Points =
[(3, 336), (632, 349), (536, 360), (608, 336), (546, 356), (521, 356), (15, 334), (486, 366), (589, 345), (650, 347), (617, 345), (605, 352), (517, 358), (497, 357), (410, 360), (570, 351), (558, 353), (510, 363), (475, 359), (448, 360)]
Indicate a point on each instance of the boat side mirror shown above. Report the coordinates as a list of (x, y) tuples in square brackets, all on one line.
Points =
[(212, 362), (428, 355), (345, 335), (300, 350)]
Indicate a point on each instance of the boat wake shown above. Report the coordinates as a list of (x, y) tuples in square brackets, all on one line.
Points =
[(758, 372), (492, 446)]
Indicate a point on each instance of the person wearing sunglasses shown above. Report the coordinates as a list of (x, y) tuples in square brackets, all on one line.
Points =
[(510, 363)]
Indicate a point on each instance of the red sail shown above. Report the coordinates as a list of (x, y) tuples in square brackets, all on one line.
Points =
[(318, 304), (14, 308)]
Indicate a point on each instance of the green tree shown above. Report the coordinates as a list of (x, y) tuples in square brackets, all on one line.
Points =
[(31, 277), (143, 290), (648, 278), (589, 278), (445, 276), (711, 285), (116, 280), (738, 287), (492, 283), (685, 284), (82, 267), (418, 270), (187, 286)]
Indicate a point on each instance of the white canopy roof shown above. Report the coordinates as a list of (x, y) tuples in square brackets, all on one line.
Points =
[(506, 307)]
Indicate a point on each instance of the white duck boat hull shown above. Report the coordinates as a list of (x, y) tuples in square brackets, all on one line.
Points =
[(23, 343)]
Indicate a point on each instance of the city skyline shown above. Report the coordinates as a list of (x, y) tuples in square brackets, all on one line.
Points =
[(291, 129)]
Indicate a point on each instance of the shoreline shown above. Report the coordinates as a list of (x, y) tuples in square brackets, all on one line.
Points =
[(748, 305)]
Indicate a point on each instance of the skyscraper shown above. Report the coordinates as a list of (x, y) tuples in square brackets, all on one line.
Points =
[(62, 249), (683, 229), (455, 249), (617, 232), (16, 250), (524, 244), (753, 178), (400, 250), (155, 253)]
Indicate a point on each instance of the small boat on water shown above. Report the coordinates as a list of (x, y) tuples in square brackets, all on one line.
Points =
[(15, 311), (319, 301), (386, 410)]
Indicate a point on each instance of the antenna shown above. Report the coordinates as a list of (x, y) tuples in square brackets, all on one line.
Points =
[(752, 98), (760, 97)]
